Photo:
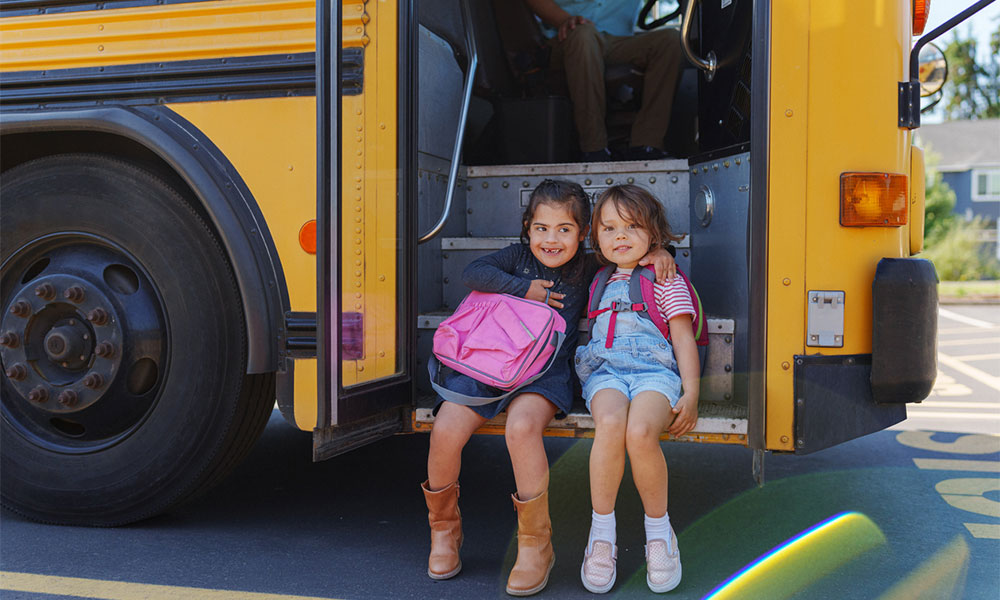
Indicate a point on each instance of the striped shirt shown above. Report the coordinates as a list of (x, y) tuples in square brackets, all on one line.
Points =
[(672, 297)]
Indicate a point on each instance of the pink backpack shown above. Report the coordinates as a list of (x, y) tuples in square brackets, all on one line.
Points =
[(497, 339)]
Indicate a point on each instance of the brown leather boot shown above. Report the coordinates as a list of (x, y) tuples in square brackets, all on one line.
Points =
[(446, 531), (535, 557)]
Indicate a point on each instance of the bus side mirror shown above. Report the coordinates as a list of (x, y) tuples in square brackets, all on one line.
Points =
[(932, 71)]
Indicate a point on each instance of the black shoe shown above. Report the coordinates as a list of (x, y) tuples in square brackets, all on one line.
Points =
[(646, 153), (602, 155)]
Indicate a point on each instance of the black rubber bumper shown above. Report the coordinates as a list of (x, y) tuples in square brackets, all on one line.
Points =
[(904, 330)]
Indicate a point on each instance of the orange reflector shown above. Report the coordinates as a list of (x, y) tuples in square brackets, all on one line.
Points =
[(872, 200), (307, 237), (921, 11)]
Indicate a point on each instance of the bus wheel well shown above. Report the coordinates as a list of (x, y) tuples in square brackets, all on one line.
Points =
[(23, 147)]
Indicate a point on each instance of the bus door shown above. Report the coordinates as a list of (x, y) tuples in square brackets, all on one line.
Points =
[(363, 241)]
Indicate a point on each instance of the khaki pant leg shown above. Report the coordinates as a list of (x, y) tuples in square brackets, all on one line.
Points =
[(658, 55), (581, 55)]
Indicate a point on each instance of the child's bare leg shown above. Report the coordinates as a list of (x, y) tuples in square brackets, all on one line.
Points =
[(527, 416), (610, 409), (648, 416), (453, 427)]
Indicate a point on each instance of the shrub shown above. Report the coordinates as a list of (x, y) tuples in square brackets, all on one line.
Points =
[(959, 254)]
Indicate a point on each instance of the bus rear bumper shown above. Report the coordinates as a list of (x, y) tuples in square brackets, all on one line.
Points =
[(904, 330)]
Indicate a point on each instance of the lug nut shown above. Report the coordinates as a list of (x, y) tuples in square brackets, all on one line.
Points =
[(75, 294), (20, 309), (98, 316), (9, 339), (105, 350), (46, 291), (93, 381), (17, 372), (68, 398), (39, 395)]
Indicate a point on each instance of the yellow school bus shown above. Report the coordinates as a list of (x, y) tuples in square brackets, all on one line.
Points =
[(209, 206)]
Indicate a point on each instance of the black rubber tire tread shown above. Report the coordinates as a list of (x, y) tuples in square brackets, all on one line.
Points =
[(220, 411)]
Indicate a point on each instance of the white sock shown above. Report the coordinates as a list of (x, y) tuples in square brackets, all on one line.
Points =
[(658, 529), (602, 527)]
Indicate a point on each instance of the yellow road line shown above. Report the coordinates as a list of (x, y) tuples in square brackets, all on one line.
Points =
[(98, 589)]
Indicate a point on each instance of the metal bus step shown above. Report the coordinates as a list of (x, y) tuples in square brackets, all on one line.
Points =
[(719, 420), (496, 195)]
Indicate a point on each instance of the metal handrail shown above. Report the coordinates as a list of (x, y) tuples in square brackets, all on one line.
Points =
[(470, 42), (708, 64)]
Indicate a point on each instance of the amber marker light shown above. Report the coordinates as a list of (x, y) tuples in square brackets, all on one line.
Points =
[(921, 11), (307, 237), (873, 200)]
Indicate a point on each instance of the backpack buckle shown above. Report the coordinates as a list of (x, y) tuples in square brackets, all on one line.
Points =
[(618, 306)]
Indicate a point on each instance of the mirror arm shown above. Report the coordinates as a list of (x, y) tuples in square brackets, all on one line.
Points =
[(909, 91)]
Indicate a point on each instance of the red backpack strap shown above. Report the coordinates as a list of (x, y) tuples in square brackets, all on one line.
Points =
[(640, 290)]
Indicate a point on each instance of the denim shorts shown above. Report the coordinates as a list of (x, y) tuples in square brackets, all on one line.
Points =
[(633, 365)]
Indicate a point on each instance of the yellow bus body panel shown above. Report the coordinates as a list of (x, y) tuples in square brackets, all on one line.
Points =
[(370, 240), (164, 33), (834, 73)]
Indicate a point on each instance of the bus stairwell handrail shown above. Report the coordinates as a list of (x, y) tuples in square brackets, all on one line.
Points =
[(456, 155), (708, 64)]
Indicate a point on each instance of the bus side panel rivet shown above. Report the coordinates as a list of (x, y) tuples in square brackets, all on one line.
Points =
[(784, 439), (785, 365), (800, 442)]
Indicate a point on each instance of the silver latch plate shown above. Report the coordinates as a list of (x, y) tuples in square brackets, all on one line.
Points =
[(825, 326)]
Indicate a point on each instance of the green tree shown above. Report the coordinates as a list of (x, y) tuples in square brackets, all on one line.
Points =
[(973, 87), (939, 202)]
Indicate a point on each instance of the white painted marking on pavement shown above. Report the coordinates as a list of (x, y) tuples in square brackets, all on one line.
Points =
[(949, 415), (951, 404), (947, 464), (954, 316), (961, 367)]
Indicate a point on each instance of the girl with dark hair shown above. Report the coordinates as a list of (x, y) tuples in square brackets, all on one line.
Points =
[(548, 265)]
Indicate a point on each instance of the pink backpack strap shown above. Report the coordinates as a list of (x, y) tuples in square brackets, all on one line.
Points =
[(640, 289), (596, 291)]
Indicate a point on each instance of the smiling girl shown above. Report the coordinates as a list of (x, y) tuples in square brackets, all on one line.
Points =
[(548, 266), (632, 377)]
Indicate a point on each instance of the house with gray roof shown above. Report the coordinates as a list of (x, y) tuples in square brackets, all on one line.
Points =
[(968, 158)]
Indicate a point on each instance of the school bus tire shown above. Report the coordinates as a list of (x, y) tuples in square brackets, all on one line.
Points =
[(160, 406)]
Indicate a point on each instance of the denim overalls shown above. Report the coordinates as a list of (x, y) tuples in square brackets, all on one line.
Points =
[(640, 358)]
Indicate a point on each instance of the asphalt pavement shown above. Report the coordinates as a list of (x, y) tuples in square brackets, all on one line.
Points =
[(897, 514)]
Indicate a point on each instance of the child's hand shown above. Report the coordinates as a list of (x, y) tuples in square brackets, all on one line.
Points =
[(539, 291), (663, 264), (687, 415)]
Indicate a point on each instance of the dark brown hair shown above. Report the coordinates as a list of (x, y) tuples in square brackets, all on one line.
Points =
[(637, 205), (568, 194), (557, 192)]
